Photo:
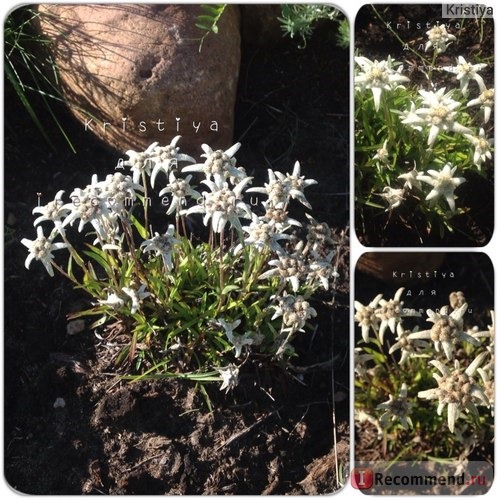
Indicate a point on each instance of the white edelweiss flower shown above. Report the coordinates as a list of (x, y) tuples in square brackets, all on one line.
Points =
[(366, 317), (162, 245), (439, 39), (281, 188), (229, 375), (378, 76), (295, 311), (391, 312), (444, 184), (166, 158), (290, 268), (321, 270), (438, 113), (136, 296), (53, 211), (238, 341), (409, 117), (447, 330), (118, 191), (179, 189), (113, 300), (482, 147), (411, 179), (397, 408), (223, 205), (219, 164), (394, 197), (382, 153), (41, 249), (409, 347), (263, 234), (90, 205), (465, 72), (141, 162), (457, 389), (485, 100)]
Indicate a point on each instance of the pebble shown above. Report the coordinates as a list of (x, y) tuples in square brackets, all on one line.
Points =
[(75, 327), (59, 403)]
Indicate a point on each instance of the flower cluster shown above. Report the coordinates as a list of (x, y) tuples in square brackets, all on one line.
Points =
[(191, 307), (398, 363), (415, 142)]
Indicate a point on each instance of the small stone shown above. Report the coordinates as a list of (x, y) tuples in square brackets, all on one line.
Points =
[(75, 327), (59, 403)]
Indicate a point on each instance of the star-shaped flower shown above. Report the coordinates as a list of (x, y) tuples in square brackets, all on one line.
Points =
[(397, 408), (438, 112), (447, 330), (162, 245), (394, 197), (378, 76), (41, 249), (465, 72), (457, 389), (439, 39), (229, 375), (444, 184), (486, 102), (482, 147), (411, 179), (366, 318)]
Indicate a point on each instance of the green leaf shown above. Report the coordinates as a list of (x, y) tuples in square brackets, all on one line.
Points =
[(229, 288)]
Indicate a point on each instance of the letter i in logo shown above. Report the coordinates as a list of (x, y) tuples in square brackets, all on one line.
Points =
[(361, 478)]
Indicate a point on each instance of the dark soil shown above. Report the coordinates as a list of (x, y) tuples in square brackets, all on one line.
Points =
[(407, 226), (280, 431)]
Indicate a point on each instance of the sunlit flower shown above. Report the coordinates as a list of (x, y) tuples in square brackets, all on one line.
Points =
[(281, 188), (229, 375), (118, 191), (465, 72), (141, 163), (397, 408), (366, 317), (223, 205), (457, 389), (486, 102), (482, 147), (444, 184), (322, 270), (41, 249), (290, 269), (411, 179), (382, 153), (136, 296), (447, 330), (264, 235), (179, 189), (162, 245), (438, 113), (378, 76), (409, 347), (439, 39), (166, 158), (319, 236), (219, 164), (295, 311), (53, 211), (394, 197), (113, 300), (390, 312)]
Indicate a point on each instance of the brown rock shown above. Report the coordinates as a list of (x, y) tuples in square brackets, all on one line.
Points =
[(138, 68)]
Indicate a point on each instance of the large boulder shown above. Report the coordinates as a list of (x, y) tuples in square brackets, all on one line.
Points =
[(133, 73)]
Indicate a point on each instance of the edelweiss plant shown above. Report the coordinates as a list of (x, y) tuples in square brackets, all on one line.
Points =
[(417, 140), (427, 393), (178, 304)]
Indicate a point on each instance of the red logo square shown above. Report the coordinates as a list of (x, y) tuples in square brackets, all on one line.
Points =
[(362, 478)]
